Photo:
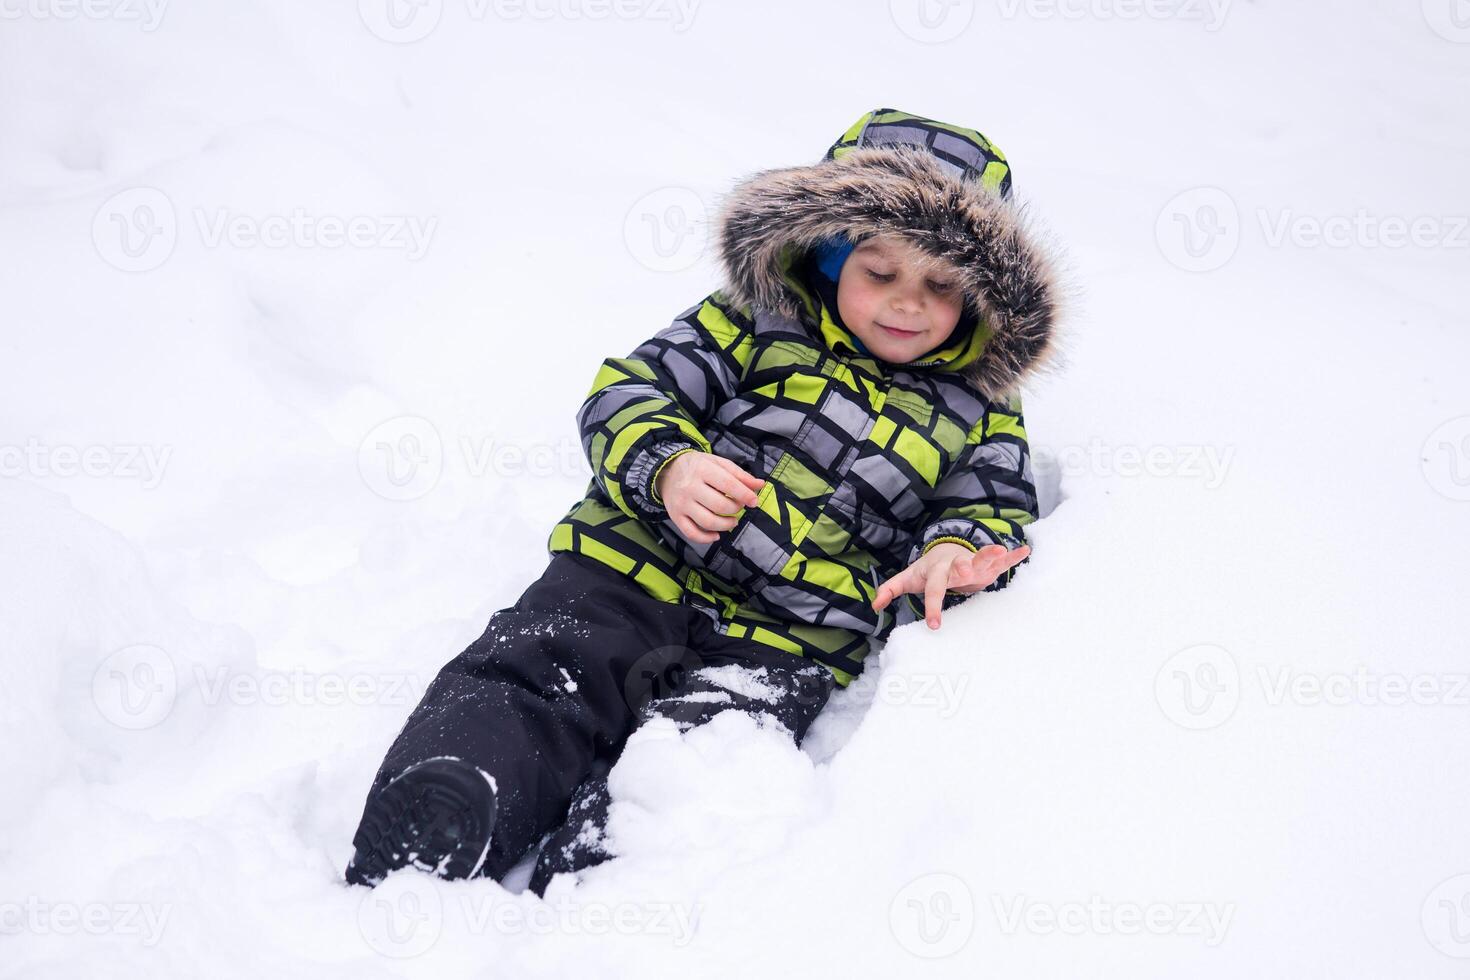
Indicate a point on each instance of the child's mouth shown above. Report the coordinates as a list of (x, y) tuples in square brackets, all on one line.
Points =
[(893, 332)]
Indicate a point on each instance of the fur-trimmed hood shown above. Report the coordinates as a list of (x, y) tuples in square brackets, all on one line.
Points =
[(942, 190)]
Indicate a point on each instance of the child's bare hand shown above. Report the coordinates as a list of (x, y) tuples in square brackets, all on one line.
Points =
[(698, 488), (949, 566)]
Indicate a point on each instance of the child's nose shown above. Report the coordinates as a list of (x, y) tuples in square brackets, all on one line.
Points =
[(907, 301)]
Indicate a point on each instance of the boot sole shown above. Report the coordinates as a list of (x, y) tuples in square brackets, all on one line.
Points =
[(436, 816)]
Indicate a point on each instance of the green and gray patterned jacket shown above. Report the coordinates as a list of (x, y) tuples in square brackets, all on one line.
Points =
[(866, 464)]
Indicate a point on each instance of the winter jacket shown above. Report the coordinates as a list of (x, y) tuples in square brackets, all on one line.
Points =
[(866, 464)]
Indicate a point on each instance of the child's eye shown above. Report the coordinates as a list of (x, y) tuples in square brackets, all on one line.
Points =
[(880, 278), (940, 287)]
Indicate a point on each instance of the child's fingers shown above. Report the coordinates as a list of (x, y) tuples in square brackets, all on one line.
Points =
[(934, 587), (989, 561), (708, 519), (716, 502), (1009, 559), (965, 575), (753, 482), (882, 599), (692, 531), (731, 482), (890, 589), (981, 569)]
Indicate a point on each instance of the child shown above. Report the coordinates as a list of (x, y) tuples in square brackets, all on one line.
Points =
[(837, 427)]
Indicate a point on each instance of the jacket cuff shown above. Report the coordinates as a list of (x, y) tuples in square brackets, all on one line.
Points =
[(951, 538), (653, 493), (961, 530), (641, 485)]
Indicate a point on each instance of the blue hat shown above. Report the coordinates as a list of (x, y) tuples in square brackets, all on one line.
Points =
[(828, 256), (831, 253)]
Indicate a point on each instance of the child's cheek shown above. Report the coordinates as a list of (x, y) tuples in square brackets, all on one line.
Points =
[(867, 301), (855, 298)]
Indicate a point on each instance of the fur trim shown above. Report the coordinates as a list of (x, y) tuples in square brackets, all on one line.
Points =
[(902, 192)]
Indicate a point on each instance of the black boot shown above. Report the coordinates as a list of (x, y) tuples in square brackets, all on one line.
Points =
[(437, 815), (578, 842)]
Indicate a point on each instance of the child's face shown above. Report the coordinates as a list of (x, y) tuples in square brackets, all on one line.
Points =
[(896, 309)]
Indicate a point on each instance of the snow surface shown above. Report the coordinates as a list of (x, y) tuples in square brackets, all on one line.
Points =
[(1217, 728)]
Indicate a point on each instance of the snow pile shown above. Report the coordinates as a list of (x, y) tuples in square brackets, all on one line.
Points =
[(297, 318)]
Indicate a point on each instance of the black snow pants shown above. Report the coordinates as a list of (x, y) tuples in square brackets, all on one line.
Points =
[(545, 699)]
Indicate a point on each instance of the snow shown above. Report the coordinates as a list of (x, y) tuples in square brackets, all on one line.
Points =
[(269, 466), (752, 683)]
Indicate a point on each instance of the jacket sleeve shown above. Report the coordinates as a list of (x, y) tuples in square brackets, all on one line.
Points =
[(646, 408), (987, 496)]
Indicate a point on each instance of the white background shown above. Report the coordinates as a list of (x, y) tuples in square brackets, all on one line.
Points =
[(1228, 688)]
